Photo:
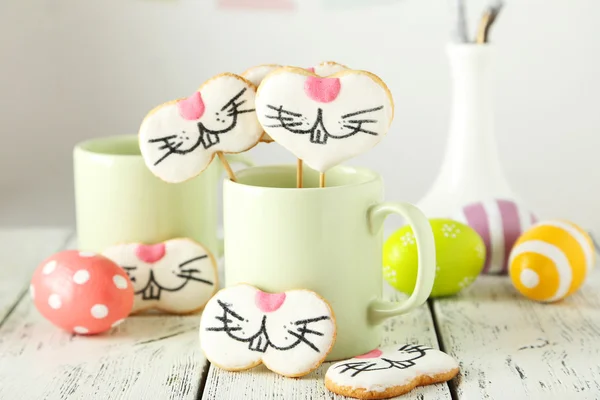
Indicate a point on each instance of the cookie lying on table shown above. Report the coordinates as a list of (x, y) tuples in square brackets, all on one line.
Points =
[(290, 332), (390, 371), (177, 276)]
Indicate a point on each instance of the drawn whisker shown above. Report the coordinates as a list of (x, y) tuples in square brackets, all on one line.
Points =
[(362, 112), (359, 129), (225, 307), (195, 279), (161, 139), (362, 121), (305, 330), (281, 110), (240, 112), (171, 151), (224, 329), (279, 117), (308, 321), (191, 260), (224, 320), (169, 145), (305, 340), (233, 100), (190, 271), (284, 125)]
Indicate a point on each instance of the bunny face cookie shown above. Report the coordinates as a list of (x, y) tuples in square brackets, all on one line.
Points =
[(390, 371), (324, 120), (178, 276), (290, 332), (179, 139)]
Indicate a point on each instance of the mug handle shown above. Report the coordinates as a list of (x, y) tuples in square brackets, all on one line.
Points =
[(380, 309), (240, 159)]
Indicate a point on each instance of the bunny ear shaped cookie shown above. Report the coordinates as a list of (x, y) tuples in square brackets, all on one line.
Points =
[(179, 139), (324, 120), (256, 75), (327, 68)]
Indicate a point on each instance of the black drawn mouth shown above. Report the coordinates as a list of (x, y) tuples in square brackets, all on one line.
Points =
[(151, 292), (260, 341), (410, 354), (353, 123), (185, 271)]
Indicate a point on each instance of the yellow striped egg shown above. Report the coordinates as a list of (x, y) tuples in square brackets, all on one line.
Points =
[(551, 260)]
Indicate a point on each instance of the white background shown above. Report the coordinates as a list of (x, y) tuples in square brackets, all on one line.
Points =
[(73, 69)]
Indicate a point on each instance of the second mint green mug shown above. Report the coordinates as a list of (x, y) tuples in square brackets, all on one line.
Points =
[(328, 240), (118, 200)]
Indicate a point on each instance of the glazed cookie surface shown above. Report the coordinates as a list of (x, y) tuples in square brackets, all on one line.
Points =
[(258, 73), (179, 139), (390, 371), (324, 120), (177, 276), (290, 332)]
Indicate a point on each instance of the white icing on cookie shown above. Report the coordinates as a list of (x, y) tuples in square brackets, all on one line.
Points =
[(390, 366), (177, 276), (179, 139), (328, 68), (324, 121), (290, 332), (258, 73)]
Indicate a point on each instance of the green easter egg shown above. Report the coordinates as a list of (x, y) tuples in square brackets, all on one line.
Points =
[(460, 255)]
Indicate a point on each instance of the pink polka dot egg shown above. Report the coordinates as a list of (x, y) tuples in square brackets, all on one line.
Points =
[(81, 292)]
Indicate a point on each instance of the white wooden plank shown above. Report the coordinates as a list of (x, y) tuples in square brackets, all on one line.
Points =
[(513, 348), (261, 384), (21, 250), (146, 357)]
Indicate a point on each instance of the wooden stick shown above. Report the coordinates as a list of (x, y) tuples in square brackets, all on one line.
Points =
[(226, 165), (299, 173), (322, 179)]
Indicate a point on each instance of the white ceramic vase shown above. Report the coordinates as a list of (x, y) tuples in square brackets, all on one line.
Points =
[(471, 169), (471, 186)]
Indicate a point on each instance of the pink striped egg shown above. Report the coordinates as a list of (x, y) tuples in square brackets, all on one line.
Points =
[(500, 223)]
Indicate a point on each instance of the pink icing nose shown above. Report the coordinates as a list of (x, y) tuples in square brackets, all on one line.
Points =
[(372, 354), (323, 90), (192, 108), (268, 302), (150, 253)]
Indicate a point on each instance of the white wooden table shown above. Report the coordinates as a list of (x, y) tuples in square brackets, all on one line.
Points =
[(508, 347)]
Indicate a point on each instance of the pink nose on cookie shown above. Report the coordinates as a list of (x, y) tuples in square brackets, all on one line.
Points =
[(150, 253), (192, 108), (372, 354), (268, 302), (323, 90)]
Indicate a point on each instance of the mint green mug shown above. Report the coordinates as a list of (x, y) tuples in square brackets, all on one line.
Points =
[(118, 200), (328, 240)]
